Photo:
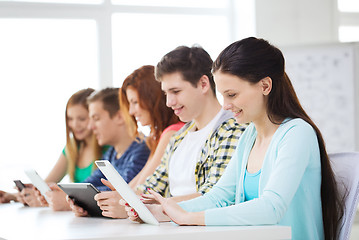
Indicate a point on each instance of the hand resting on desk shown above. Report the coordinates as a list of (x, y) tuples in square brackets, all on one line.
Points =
[(6, 197)]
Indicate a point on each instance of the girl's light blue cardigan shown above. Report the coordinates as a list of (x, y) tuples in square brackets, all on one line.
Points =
[(289, 186)]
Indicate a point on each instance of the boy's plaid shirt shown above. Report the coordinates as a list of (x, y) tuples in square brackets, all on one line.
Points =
[(216, 154)]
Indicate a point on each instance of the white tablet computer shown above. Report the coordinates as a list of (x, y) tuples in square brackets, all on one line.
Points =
[(125, 191), (38, 182)]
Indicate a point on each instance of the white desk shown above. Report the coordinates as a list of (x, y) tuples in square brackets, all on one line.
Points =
[(18, 222)]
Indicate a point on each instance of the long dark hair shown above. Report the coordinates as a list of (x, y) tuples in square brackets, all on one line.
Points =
[(253, 59)]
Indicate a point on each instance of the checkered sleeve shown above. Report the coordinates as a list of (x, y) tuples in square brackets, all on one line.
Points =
[(158, 181), (218, 151)]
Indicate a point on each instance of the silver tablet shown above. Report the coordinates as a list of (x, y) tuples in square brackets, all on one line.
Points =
[(125, 191), (38, 182)]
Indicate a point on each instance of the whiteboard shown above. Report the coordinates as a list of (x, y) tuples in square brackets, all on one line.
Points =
[(324, 80)]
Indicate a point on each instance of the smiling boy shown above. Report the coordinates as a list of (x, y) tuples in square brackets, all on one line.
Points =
[(198, 154)]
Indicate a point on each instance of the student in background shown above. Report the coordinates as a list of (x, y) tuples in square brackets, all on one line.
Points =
[(141, 98), (198, 154), (127, 153), (81, 150), (78, 153), (280, 173)]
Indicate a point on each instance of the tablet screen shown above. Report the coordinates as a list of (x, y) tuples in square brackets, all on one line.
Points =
[(38, 182), (125, 191)]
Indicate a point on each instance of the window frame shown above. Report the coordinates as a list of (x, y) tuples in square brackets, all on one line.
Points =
[(102, 13), (347, 19)]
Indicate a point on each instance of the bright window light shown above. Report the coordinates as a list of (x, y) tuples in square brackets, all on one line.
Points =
[(43, 62), (349, 33), (175, 3), (62, 1), (142, 39), (348, 5)]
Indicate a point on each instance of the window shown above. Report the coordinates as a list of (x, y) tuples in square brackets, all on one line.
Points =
[(175, 3), (142, 39), (348, 33), (61, 1), (53, 48), (348, 20), (44, 61), (348, 5)]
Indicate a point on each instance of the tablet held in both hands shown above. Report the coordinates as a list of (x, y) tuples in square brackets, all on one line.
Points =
[(125, 191), (38, 182), (83, 196)]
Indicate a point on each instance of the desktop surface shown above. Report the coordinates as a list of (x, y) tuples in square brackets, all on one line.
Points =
[(19, 222)]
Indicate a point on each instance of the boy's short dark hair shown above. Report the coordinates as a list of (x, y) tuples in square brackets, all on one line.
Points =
[(109, 98), (192, 63)]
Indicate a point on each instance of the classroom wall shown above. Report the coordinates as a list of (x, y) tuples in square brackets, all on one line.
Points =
[(292, 22), (324, 77), (303, 24)]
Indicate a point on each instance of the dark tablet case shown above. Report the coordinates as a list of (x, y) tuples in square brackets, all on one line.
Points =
[(83, 196)]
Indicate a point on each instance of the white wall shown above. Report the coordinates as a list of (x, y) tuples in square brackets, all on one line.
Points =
[(291, 23)]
